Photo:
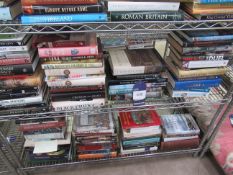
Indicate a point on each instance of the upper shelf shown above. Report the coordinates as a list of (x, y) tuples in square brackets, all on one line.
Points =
[(102, 27)]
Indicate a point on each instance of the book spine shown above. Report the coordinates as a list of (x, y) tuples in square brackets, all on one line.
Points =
[(21, 101), (88, 17), (176, 93), (38, 137), (216, 17), (146, 16), (31, 110), (204, 64), (94, 81), (197, 84), (96, 156), (213, 38), (71, 51), (10, 43), (14, 61), (72, 65), (73, 58), (16, 69), (33, 127), (13, 48), (52, 2), (71, 72), (17, 95), (75, 89), (142, 6), (62, 9), (223, 48), (213, 1), (96, 147), (76, 105), (77, 97)]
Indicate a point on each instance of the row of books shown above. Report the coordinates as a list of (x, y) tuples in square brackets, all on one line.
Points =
[(64, 72), (40, 11), (96, 136)]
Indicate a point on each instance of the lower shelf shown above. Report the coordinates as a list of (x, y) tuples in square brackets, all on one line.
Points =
[(57, 164)]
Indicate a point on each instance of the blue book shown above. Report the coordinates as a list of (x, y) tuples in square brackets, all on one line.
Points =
[(141, 141), (214, 1), (193, 85), (207, 35), (64, 18)]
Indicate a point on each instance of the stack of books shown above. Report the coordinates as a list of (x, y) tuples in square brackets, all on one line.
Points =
[(95, 136), (197, 60), (22, 87), (131, 71), (144, 11), (50, 11), (74, 70), (140, 131), (180, 131), (10, 9), (210, 9), (47, 139)]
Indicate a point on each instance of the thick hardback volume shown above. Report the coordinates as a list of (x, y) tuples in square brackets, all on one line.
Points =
[(178, 40), (146, 16), (139, 119), (142, 6), (20, 68), (72, 64), (179, 124), (194, 73), (125, 62), (76, 89), (188, 84), (88, 17), (76, 105), (15, 61), (21, 101), (180, 144), (26, 47), (207, 35), (96, 147), (10, 12), (77, 96), (186, 93), (60, 9), (52, 2), (74, 71), (66, 45), (6, 96), (208, 56), (205, 61), (13, 54), (96, 156), (69, 82), (34, 80), (19, 41)]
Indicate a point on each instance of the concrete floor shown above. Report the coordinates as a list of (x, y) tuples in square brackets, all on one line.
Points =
[(179, 165)]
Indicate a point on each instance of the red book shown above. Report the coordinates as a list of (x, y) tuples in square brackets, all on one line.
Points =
[(33, 127), (138, 119), (64, 45), (95, 147), (56, 2), (6, 77), (14, 61)]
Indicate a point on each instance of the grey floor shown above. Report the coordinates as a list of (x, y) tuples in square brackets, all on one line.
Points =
[(181, 165)]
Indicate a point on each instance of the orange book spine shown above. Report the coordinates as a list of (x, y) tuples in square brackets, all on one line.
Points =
[(56, 2), (96, 156)]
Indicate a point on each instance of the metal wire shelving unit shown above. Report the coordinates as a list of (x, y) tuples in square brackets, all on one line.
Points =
[(222, 96)]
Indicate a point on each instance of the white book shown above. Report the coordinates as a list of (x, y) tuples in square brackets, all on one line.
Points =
[(138, 150), (169, 139), (77, 105), (85, 81), (74, 71), (26, 47), (204, 64), (142, 6)]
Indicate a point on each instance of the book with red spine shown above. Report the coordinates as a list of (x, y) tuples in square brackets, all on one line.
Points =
[(14, 61), (139, 119), (55, 2), (41, 126), (113, 146), (65, 45)]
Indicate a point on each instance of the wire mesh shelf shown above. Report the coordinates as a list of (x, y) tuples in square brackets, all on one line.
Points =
[(15, 27)]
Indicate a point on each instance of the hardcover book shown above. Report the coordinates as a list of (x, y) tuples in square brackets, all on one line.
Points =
[(124, 62), (66, 45), (55, 2)]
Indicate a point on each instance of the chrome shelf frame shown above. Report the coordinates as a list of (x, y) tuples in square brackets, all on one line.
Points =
[(15, 27)]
